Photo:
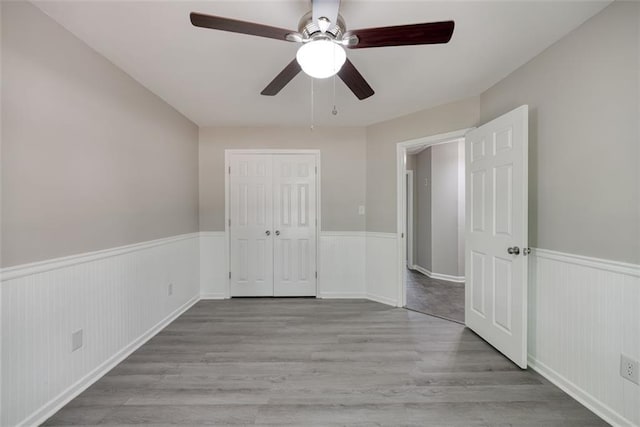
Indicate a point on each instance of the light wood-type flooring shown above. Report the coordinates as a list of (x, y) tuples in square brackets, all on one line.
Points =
[(312, 362)]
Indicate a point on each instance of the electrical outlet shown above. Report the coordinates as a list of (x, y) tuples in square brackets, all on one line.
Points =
[(170, 289), (629, 369), (76, 340)]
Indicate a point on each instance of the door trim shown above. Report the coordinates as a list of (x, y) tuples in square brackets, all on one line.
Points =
[(401, 203), (227, 214), (410, 220)]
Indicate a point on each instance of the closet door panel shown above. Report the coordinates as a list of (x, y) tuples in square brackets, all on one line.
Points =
[(251, 214), (294, 199)]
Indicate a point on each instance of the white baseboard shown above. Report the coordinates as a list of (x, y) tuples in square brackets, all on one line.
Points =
[(381, 299), (81, 385), (431, 274), (342, 295), (209, 296), (595, 406)]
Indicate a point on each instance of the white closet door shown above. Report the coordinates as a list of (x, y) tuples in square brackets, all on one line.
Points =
[(294, 222), (251, 214), (496, 233)]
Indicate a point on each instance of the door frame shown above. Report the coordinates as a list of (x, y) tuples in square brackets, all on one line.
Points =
[(410, 219), (227, 213), (401, 204)]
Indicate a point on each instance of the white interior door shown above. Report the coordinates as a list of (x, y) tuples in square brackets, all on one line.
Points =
[(251, 225), (496, 233), (294, 222), (272, 226)]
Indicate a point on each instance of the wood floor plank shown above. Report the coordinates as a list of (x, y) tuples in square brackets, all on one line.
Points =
[(433, 296), (278, 362)]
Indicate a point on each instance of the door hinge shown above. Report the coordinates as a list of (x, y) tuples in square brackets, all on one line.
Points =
[(229, 170), (229, 275), (316, 170), (229, 222), (316, 274)]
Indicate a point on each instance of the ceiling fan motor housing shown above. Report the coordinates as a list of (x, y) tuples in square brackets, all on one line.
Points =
[(310, 29)]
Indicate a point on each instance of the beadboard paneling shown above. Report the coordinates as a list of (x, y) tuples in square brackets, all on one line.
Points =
[(341, 267), (118, 297), (341, 272), (583, 313), (213, 265), (381, 267)]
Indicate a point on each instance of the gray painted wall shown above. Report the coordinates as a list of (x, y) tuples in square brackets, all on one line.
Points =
[(343, 157), (444, 209), (381, 153), (583, 93), (90, 158), (439, 215), (423, 202)]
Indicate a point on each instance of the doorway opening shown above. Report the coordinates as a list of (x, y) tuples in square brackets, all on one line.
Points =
[(434, 272), (432, 213)]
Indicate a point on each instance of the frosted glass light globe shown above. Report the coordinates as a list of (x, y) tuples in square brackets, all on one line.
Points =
[(321, 58)]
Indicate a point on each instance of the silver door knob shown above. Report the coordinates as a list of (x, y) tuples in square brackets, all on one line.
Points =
[(513, 250), (277, 232), (268, 233)]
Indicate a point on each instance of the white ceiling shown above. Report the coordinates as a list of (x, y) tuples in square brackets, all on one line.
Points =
[(215, 77)]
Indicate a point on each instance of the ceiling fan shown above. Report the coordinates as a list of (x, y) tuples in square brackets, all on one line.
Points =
[(324, 35)]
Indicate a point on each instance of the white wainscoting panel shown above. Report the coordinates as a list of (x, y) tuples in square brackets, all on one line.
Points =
[(118, 297), (213, 265), (341, 271), (381, 267), (583, 313)]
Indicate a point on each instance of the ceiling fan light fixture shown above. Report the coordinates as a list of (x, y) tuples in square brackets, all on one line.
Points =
[(321, 58)]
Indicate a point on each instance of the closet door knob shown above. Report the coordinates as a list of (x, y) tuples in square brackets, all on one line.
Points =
[(277, 232), (268, 233), (513, 250)]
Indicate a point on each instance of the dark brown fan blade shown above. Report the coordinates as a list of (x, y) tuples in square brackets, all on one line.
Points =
[(235, 26), (281, 80), (354, 81), (404, 35)]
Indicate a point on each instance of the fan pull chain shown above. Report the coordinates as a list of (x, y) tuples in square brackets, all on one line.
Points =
[(335, 110), (312, 103)]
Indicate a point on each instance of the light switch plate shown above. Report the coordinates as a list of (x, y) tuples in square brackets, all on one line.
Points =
[(361, 210), (76, 340)]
